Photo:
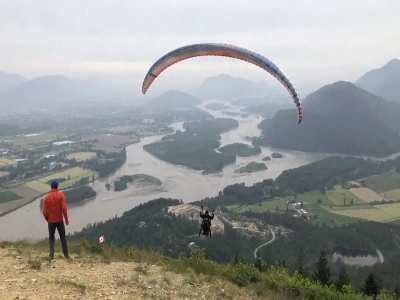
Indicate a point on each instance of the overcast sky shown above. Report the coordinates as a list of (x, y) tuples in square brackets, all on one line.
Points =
[(313, 42)]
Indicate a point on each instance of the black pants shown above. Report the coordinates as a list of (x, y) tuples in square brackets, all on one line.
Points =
[(61, 231)]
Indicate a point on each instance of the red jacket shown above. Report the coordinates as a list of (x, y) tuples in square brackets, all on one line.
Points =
[(55, 207)]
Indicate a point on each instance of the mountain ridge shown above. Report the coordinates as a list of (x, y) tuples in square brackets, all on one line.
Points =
[(383, 81), (339, 118), (230, 87)]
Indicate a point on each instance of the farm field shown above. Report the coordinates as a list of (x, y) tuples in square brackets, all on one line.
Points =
[(391, 210), (34, 139), (278, 204), (316, 203), (7, 195), (393, 195), (366, 195), (110, 142), (67, 178), (3, 174), (383, 182), (17, 196), (379, 213), (81, 156), (370, 213), (5, 162), (338, 196)]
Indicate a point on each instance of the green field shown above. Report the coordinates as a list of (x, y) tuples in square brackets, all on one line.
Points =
[(40, 139), (392, 210), (366, 195), (338, 196), (370, 213), (328, 208), (393, 195), (81, 156), (6, 196), (316, 203), (383, 182), (70, 177), (278, 204)]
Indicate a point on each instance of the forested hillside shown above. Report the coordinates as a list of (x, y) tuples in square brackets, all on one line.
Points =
[(339, 118)]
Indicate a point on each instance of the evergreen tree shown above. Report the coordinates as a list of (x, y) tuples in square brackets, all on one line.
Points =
[(300, 263), (323, 272), (258, 264), (342, 280), (397, 292), (371, 286)]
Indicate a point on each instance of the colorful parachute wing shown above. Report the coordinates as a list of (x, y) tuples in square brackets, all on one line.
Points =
[(226, 50)]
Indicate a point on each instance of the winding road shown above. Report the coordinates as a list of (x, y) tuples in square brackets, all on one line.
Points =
[(264, 244)]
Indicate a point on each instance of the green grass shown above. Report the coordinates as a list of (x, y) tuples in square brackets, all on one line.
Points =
[(71, 176), (338, 196), (6, 196), (278, 204), (81, 156), (265, 282), (370, 213), (393, 195), (316, 203), (383, 182)]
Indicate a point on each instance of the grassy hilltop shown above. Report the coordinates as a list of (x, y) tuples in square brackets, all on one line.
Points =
[(127, 273)]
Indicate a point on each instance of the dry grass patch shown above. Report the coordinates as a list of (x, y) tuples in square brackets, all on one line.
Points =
[(366, 195), (81, 156)]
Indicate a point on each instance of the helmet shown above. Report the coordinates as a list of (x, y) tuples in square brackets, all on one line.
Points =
[(54, 184)]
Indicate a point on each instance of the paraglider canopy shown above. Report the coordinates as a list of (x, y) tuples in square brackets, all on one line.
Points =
[(226, 50)]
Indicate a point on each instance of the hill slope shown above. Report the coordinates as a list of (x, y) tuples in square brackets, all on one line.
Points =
[(9, 81), (339, 118), (116, 273), (384, 81), (172, 100), (58, 92), (224, 86), (91, 277)]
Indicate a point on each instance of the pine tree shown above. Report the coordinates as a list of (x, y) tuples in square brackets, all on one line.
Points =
[(323, 272), (397, 292), (371, 286), (258, 264), (342, 280), (300, 263)]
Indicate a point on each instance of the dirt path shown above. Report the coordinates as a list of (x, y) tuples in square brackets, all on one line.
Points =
[(90, 278), (255, 253)]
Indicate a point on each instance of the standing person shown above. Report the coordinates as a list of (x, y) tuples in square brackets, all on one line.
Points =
[(55, 211)]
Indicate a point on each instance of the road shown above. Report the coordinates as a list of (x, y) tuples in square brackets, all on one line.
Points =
[(264, 244)]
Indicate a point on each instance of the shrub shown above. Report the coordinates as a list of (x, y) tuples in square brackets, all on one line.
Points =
[(243, 274)]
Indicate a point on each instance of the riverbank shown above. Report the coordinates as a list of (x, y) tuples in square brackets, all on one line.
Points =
[(178, 182)]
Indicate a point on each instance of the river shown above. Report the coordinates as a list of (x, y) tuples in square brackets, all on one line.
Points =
[(178, 181)]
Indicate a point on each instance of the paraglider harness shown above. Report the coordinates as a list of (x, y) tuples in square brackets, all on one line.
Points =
[(205, 227)]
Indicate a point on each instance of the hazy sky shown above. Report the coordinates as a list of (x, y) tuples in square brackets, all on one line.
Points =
[(313, 42)]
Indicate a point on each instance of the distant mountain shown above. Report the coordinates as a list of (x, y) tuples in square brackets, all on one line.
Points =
[(339, 118), (264, 106), (173, 100), (9, 81), (174, 106), (224, 86), (384, 81), (44, 93), (57, 91)]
